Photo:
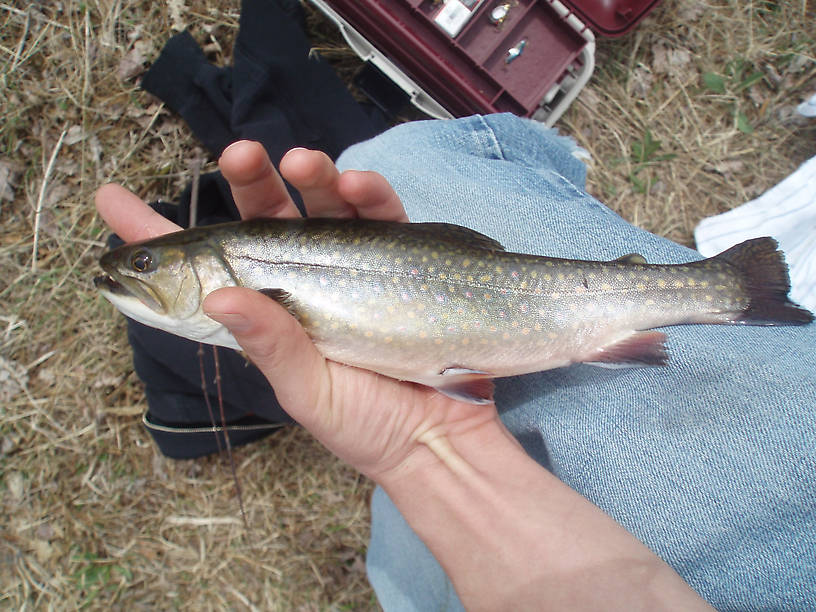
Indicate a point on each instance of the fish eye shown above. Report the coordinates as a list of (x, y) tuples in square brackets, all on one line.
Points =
[(141, 261)]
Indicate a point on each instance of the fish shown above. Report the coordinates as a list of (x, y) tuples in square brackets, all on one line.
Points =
[(440, 304)]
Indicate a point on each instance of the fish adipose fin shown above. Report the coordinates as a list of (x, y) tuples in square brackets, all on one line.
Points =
[(466, 385), (642, 348), (764, 273), (631, 258)]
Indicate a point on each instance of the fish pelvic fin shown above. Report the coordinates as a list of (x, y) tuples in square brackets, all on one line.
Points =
[(764, 274), (641, 348), (466, 385)]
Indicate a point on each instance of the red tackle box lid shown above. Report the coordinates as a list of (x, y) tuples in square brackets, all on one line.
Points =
[(455, 58), (611, 17)]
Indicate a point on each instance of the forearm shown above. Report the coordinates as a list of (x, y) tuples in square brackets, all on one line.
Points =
[(512, 536)]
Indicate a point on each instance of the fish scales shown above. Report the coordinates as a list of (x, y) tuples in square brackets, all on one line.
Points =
[(440, 304)]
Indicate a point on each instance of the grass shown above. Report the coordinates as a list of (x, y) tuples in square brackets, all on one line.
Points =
[(687, 116)]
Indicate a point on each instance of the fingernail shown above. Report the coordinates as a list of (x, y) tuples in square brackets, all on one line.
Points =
[(232, 321)]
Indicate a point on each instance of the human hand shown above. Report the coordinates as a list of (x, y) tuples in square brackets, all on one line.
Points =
[(375, 423)]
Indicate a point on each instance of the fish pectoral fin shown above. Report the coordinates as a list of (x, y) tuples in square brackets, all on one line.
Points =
[(641, 348), (466, 385), (282, 297), (631, 258)]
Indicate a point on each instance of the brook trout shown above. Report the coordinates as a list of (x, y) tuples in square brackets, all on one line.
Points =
[(439, 304)]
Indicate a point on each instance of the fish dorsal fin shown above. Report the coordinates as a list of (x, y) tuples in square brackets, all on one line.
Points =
[(471, 237), (631, 258), (641, 348), (282, 297), (466, 385)]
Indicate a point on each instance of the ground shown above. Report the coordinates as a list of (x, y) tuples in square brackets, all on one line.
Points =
[(689, 115)]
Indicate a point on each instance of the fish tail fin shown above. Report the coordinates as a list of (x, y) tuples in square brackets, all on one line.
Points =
[(761, 267)]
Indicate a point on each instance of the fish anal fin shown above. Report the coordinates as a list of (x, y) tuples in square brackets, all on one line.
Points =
[(631, 258), (282, 297), (641, 348), (466, 385)]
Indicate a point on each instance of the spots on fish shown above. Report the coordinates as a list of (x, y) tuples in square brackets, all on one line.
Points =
[(514, 274), (466, 262), (606, 287), (661, 283), (440, 298), (640, 286), (679, 284)]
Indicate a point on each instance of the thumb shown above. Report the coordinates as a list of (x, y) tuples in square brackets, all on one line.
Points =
[(277, 345)]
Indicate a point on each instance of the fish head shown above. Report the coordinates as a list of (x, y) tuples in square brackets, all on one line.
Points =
[(162, 283)]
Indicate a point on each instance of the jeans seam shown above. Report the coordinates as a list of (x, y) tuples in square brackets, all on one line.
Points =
[(494, 140)]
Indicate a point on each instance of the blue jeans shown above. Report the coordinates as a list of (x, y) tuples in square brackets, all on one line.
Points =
[(711, 461)]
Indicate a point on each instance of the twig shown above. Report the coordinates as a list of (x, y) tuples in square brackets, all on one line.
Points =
[(41, 198), (18, 53), (196, 168), (207, 397), (227, 440)]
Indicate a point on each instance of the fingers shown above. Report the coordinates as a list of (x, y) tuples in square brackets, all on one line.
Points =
[(259, 191), (372, 195), (278, 345), (327, 193), (256, 186), (315, 176), (128, 216)]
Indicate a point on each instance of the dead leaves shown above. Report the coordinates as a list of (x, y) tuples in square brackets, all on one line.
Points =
[(9, 178), (668, 59)]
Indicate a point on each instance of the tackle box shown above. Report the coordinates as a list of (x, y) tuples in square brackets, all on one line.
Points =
[(460, 57)]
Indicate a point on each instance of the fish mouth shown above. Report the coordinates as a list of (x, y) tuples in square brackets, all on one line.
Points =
[(107, 284)]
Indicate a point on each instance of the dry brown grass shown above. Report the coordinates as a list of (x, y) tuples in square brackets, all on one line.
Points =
[(91, 515)]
